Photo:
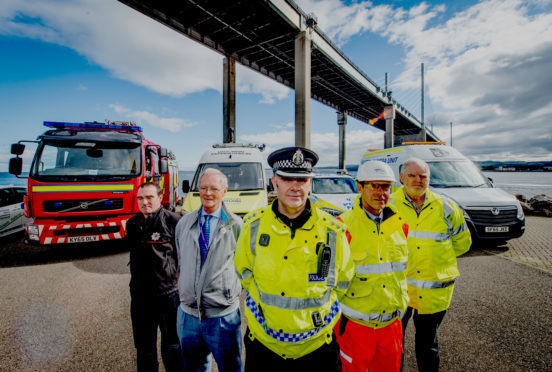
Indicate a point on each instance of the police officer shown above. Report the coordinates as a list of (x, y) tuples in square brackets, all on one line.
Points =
[(370, 331), (293, 261), (437, 235)]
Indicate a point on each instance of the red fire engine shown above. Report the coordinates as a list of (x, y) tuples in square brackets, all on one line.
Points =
[(84, 177)]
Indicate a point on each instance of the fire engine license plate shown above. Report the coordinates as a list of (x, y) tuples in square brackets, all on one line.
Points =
[(492, 229), (82, 239)]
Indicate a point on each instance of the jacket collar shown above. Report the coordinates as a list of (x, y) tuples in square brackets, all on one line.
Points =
[(152, 217), (224, 214), (283, 227)]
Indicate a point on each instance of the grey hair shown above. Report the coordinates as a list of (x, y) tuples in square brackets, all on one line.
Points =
[(222, 176), (419, 162)]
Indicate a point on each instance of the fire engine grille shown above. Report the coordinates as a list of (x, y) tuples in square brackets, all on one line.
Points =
[(486, 217), (82, 205), (87, 231)]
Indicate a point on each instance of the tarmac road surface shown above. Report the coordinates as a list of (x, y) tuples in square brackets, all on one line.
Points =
[(66, 308)]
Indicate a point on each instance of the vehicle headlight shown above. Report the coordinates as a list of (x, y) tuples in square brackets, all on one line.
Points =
[(520, 215), (32, 231)]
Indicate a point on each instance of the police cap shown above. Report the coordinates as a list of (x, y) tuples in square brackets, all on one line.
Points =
[(293, 162)]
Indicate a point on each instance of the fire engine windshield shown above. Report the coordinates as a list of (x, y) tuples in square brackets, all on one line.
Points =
[(241, 176), (75, 161)]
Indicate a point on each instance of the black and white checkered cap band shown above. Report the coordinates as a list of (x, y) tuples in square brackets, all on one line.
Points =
[(286, 168), (288, 165)]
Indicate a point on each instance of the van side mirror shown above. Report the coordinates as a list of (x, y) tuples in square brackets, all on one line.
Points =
[(491, 181), (16, 166), (185, 186), (17, 148), (163, 166)]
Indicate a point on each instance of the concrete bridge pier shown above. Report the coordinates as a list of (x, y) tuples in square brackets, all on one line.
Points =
[(302, 88), (229, 101), (342, 123)]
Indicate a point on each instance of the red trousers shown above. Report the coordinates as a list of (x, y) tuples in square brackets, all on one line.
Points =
[(375, 349)]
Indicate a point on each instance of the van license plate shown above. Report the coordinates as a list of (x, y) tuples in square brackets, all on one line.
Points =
[(491, 229), (82, 239)]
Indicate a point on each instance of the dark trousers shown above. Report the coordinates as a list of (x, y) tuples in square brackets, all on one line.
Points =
[(426, 343), (147, 313), (259, 358)]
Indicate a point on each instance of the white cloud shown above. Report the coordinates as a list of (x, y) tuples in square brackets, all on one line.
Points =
[(249, 81), (326, 145), (130, 45), (277, 139), (171, 124)]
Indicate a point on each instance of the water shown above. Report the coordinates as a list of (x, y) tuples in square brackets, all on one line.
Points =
[(528, 184)]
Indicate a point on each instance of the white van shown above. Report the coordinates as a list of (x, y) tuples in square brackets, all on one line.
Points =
[(492, 214), (333, 192), (243, 165)]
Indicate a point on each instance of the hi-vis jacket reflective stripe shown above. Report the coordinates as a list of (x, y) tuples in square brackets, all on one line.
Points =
[(435, 238), (285, 296), (378, 293)]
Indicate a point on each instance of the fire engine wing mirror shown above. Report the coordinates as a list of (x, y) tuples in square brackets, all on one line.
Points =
[(16, 166), (163, 166), (185, 186), (163, 153), (17, 148)]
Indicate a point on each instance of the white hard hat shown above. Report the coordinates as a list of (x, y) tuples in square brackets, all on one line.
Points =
[(375, 171)]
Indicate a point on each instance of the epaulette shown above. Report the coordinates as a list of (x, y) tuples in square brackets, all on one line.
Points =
[(331, 222), (253, 216)]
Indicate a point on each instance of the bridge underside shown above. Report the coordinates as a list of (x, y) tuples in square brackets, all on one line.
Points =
[(258, 35)]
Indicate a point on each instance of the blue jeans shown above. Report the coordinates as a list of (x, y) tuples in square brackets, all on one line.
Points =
[(220, 336)]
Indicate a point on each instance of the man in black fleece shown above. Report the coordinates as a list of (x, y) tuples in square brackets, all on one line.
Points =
[(153, 281)]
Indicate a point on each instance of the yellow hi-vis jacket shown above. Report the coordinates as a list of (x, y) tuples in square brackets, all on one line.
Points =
[(378, 294), (289, 308), (435, 238)]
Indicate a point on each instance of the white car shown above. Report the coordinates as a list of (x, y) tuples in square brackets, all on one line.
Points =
[(12, 217), (333, 192)]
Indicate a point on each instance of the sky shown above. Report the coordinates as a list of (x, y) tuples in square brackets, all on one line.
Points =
[(488, 70)]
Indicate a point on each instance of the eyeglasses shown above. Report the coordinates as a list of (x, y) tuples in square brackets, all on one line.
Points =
[(204, 189), (376, 186)]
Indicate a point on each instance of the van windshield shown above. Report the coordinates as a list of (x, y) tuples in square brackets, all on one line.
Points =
[(456, 174), (241, 176)]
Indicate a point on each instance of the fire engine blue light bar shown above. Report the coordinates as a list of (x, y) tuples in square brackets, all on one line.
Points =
[(57, 124)]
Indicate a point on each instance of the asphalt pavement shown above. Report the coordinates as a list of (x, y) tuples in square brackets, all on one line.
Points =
[(66, 308)]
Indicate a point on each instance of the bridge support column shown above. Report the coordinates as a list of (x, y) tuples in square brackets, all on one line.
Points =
[(302, 88), (229, 101), (342, 122), (389, 116)]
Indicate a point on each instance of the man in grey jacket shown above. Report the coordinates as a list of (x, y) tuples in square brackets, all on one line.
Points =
[(208, 319)]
